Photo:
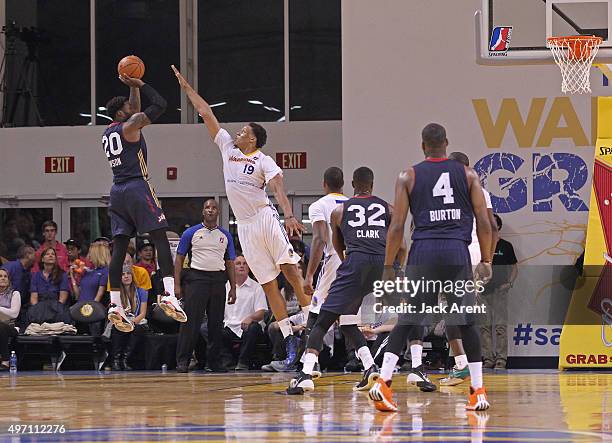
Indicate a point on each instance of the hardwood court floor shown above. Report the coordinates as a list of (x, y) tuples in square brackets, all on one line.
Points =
[(528, 406)]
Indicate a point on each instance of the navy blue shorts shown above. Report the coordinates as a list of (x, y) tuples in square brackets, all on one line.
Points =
[(354, 280), (135, 208), (444, 268)]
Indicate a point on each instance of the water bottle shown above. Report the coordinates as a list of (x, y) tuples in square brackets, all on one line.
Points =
[(13, 363), (164, 368)]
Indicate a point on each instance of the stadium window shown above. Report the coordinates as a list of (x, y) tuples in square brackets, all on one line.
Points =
[(241, 58), (47, 56), (315, 60), (148, 29)]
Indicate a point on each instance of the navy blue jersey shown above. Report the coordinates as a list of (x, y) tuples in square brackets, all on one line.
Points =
[(365, 220), (440, 202), (128, 160)]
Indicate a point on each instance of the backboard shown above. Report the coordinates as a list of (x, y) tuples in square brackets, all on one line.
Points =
[(514, 32)]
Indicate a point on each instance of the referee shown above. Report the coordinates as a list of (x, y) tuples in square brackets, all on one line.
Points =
[(211, 252)]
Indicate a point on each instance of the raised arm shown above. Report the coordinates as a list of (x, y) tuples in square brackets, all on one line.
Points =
[(200, 105), (277, 186), (157, 106), (337, 237)]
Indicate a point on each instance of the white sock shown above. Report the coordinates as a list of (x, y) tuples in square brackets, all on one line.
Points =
[(416, 353), (309, 361), (285, 327), (115, 298), (365, 356), (389, 362), (461, 361), (169, 285), (476, 374)]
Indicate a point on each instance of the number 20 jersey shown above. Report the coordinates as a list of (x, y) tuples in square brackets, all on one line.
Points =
[(365, 220), (440, 202), (245, 176), (128, 160)]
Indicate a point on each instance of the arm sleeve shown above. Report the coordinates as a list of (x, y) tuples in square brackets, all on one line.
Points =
[(34, 283), (13, 311), (185, 243), (158, 103), (230, 251), (260, 299), (224, 141), (315, 213), (487, 197), (64, 286), (511, 255), (103, 277), (270, 168)]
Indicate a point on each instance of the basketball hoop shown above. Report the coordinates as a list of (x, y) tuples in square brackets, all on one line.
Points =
[(574, 55)]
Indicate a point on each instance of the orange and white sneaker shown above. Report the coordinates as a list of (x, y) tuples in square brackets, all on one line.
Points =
[(172, 308), (118, 316), (477, 400), (382, 396)]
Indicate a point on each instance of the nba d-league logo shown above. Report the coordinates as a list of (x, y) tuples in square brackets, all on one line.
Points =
[(500, 41)]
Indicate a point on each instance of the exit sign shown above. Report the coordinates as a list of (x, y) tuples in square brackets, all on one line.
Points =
[(59, 165), (291, 160)]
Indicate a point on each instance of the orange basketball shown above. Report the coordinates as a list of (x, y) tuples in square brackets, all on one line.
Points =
[(132, 66)]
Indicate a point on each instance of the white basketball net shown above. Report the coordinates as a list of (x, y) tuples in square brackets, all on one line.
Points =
[(574, 55)]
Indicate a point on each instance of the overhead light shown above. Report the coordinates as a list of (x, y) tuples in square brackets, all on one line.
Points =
[(296, 107), (255, 102), (282, 119), (218, 104), (101, 108), (270, 108), (81, 114)]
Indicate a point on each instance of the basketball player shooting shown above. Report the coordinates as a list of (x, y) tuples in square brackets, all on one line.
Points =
[(265, 245), (134, 206)]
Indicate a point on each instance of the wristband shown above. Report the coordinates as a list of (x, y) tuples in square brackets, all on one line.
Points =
[(486, 261), (291, 216)]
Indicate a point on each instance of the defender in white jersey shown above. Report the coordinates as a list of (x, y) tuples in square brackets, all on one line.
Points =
[(264, 242), (460, 370)]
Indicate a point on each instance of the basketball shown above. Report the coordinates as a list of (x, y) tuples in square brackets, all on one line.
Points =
[(132, 66)]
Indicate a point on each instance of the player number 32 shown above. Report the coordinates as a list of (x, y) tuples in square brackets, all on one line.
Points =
[(376, 213)]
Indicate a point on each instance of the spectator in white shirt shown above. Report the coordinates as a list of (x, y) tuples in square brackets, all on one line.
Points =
[(242, 319)]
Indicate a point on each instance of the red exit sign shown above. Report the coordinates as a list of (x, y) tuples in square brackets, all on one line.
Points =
[(59, 165), (291, 160)]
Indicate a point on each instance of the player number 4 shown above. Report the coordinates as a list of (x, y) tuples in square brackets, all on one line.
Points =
[(443, 188)]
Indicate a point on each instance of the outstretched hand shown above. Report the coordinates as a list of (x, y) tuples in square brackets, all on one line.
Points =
[(131, 82), (293, 227), (182, 82)]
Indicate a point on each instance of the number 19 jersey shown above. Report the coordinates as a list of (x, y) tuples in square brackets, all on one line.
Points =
[(440, 202), (245, 177)]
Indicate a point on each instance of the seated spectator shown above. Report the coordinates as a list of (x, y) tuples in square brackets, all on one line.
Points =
[(19, 271), (74, 252), (141, 276), (49, 288), (146, 251), (49, 232), (242, 319), (93, 280), (10, 304), (134, 300)]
